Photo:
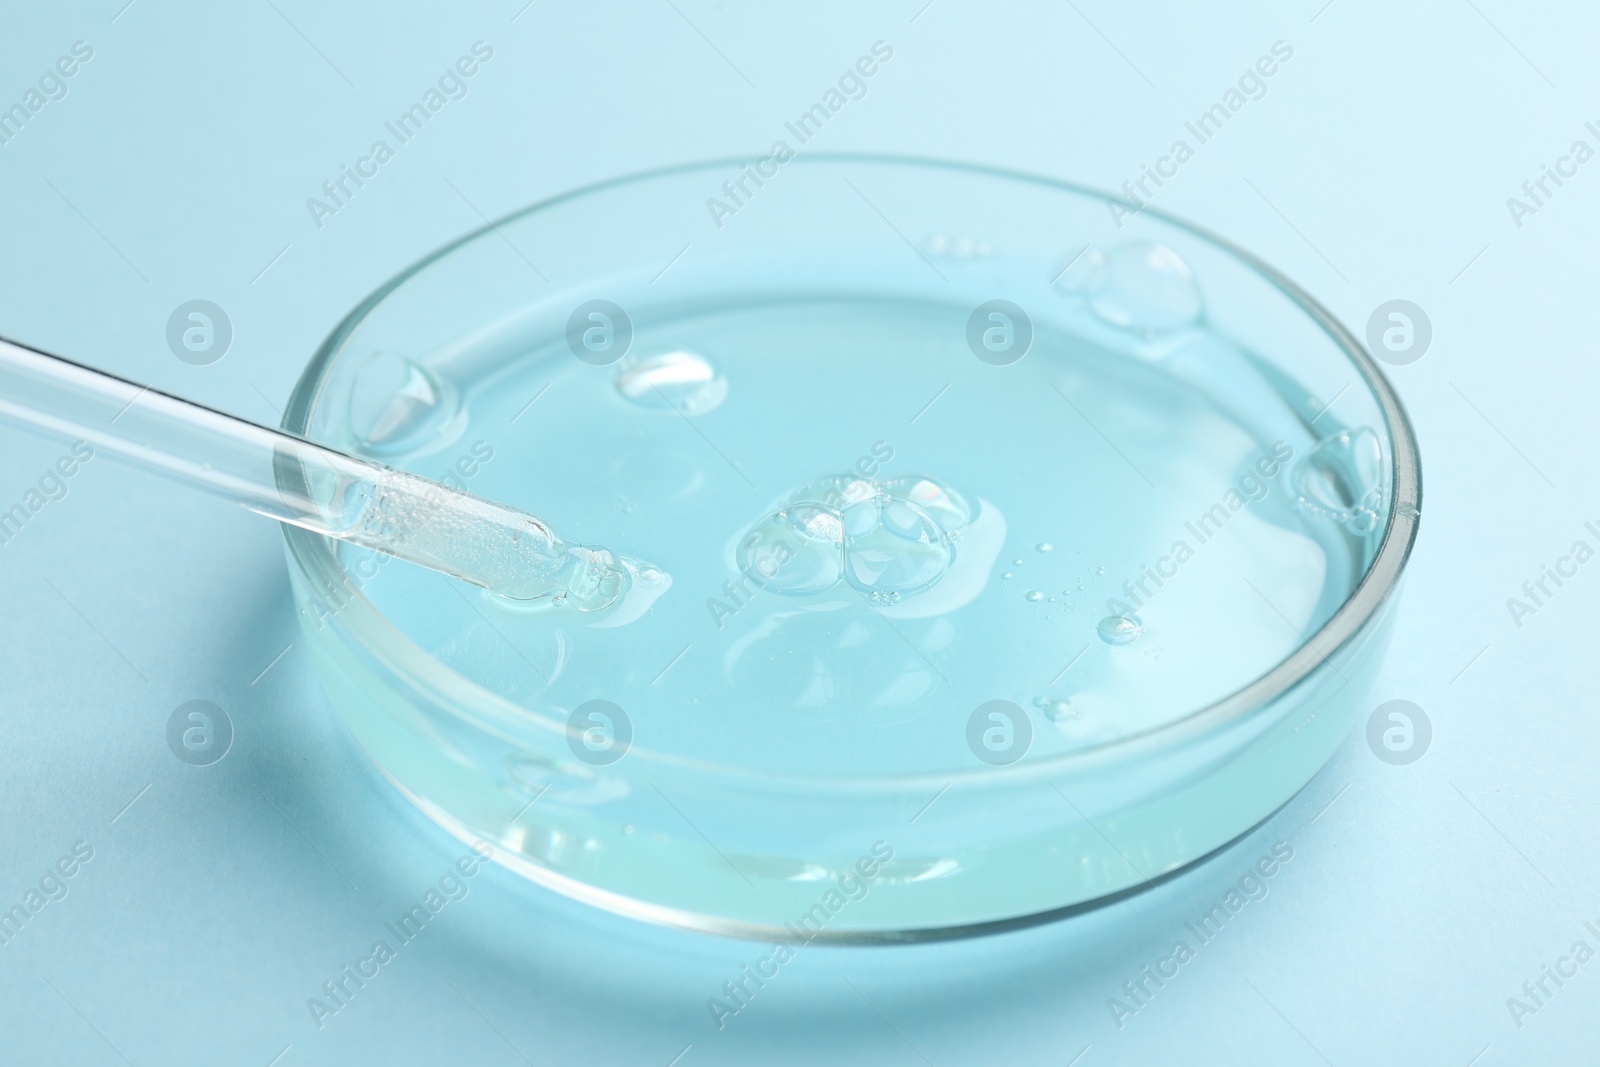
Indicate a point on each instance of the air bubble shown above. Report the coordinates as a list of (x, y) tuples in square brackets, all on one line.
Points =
[(797, 551), (683, 381), (1044, 546), (938, 501), (893, 546), (1119, 629), (1146, 287), (1054, 708), (1341, 479), (396, 404)]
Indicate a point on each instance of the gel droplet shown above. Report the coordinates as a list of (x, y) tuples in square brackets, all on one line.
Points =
[(396, 404), (1119, 629), (796, 551), (1146, 287), (683, 381)]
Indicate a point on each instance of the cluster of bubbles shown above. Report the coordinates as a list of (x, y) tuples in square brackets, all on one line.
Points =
[(887, 538)]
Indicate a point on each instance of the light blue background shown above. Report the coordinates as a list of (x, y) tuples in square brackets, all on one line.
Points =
[(224, 896)]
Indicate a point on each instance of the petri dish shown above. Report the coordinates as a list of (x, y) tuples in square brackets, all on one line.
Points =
[(990, 553)]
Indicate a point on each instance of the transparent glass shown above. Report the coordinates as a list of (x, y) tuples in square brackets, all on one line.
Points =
[(993, 689), (355, 500)]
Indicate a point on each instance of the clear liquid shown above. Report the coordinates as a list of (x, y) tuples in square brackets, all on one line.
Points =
[(1107, 535)]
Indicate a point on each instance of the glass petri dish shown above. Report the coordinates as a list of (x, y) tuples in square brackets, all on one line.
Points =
[(996, 549)]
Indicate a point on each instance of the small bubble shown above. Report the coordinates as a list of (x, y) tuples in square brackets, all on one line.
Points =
[(1006, 576), (1119, 629), (1044, 546), (1016, 562), (1033, 595), (1100, 570), (1054, 709)]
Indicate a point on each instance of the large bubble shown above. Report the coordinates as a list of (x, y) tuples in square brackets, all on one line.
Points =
[(797, 550), (892, 549), (1146, 287)]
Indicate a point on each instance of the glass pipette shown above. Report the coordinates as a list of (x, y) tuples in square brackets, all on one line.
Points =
[(378, 507)]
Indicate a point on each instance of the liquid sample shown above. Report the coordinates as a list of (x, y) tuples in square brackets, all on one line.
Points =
[(829, 593)]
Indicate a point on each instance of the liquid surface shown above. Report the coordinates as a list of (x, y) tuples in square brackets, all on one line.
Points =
[(858, 531)]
